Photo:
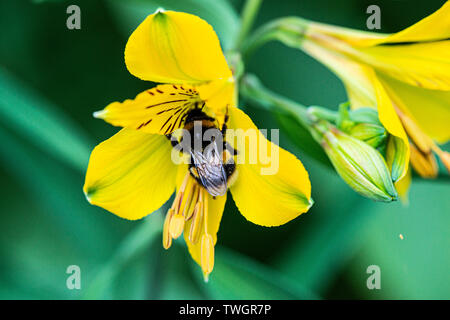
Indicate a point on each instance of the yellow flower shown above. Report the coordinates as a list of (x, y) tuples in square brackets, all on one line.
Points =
[(406, 75), (133, 173), (180, 49)]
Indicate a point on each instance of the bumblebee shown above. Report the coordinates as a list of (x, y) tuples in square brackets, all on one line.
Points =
[(211, 158)]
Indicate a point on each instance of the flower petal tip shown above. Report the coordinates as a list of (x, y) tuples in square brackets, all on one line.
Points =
[(86, 195), (99, 114), (89, 192), (159, 10), (389, 197)]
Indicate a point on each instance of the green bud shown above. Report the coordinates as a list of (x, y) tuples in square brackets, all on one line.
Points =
[(395, 156), (362, 124), (365, 115), (361, 166), (347, 118), (372, 134)]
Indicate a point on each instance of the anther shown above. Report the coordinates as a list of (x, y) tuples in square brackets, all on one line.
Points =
[(196, 224), (167, 238), (445, 158), (424, 163), (207, 255), (187, 196), (191, 208), (205, 210), (418, 137), (176, 226), (443, 155)]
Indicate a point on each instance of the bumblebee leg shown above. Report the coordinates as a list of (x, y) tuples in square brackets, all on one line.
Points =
[(230, 149), (225, 121), (175, 144)]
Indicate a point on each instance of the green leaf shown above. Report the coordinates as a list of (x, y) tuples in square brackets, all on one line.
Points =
[(58, 190), (31, 115), (238, 277), (136, 243), (415, 267), (326, 238), (46, 218), (218, 13), (174, 278)]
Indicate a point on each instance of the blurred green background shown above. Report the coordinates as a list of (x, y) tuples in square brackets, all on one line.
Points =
[(52, 79)]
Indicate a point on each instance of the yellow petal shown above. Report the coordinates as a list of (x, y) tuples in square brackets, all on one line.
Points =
[(389, 119), (403, 186), (424, 65), (159, 110), (434, 27), (419, 55), (351, 36), (429, 108), (175, 47), (218, 95), (131, 174), (272, 186)]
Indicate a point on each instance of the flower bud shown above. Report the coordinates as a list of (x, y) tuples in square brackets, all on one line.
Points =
[(362, 124), (361, 166), (396, 153), (347, 118), (364, 115), (372, 134)]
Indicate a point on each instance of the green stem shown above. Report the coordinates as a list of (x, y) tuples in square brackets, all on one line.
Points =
[(252, 89), (314, 119), (251, 8), (288, 30), (323, 113)]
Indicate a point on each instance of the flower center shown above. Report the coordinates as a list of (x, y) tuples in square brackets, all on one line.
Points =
[(189, 212)]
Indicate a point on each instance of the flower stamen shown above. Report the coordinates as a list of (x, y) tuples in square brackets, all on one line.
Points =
[(191, 209), (194, 231), (207, 242), (187, 196), (176, 226), (167, 238), (443, 155), (190, 204), (205, 211), (207, 255), (424, 163)]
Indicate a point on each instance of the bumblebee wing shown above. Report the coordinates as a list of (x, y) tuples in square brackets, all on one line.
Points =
[(210, 170)]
